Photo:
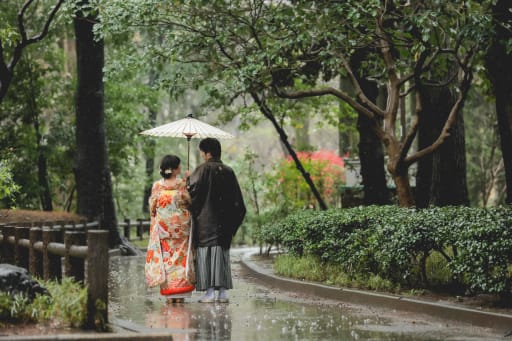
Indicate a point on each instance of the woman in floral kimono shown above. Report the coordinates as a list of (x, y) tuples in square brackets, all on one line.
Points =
[(169, 260)]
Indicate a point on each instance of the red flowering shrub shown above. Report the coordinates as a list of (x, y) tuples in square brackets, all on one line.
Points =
[(326, 170)]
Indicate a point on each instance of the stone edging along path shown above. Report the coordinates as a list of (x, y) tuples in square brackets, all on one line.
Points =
[(497, 321)]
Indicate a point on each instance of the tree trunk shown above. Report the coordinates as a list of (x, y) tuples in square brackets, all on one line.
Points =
[(449, 184), (150, 146), (426, 136), (371, 155), (93, 179), (45, 193), (445, 169), (150, 165), (45, 196), (403, 189), (498, 62), (371, 151)]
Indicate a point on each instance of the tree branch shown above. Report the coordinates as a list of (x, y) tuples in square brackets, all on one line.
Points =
[(404, 149), (359, 92), (21, 25), (394, 81), (25, 41), (322, 92), (421, 66), (445, 132)]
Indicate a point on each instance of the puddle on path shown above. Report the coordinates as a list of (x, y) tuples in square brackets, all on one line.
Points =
[(257, 313)]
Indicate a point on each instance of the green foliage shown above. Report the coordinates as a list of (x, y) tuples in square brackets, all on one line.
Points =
[(66, 304), (69, 302), (458, 247), (484, 250), (234, 52), (175, 47), (15, 307), (35, 114), (8, 188)]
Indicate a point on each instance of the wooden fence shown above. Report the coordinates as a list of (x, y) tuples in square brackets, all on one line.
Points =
[(141, 227), (54, 250)]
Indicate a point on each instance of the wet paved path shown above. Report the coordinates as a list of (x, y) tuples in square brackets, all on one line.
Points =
[(262, 313)]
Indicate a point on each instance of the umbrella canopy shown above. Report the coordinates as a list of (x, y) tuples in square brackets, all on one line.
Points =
[(188, 127)]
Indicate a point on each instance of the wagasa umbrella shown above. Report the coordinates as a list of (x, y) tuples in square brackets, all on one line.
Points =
[(189, 128)]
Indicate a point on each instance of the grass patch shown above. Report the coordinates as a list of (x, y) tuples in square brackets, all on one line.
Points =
[(303, 268), (312, 269)]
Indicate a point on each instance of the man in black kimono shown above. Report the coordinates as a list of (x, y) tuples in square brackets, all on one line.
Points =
[(218, 210)]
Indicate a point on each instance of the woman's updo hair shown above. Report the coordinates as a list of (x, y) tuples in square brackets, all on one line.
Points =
[(168, 164)]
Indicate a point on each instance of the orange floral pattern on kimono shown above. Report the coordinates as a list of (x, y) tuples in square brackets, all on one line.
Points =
[(169, 260)]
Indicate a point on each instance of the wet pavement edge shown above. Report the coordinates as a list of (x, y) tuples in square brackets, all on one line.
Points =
[(154, 336), (497, 321)]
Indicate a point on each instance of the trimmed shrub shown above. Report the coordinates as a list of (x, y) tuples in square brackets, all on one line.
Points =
[(465, 248)]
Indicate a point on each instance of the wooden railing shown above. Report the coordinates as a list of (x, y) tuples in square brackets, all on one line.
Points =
[(53, 250), (56, 250), (141, 227)]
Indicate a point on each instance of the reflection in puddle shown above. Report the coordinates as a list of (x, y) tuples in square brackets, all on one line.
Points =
[(255, 313)]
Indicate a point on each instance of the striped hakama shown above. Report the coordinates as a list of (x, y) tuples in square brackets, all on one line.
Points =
[(213, 268)]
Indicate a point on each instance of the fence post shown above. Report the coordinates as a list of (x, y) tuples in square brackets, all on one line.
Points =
[(127, 229), (8, 248), (140, 229), (35, 261), (97, 279), (74, 267), (20, 252), (52, 266)]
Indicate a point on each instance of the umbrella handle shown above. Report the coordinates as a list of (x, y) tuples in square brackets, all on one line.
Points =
[(188, 152)]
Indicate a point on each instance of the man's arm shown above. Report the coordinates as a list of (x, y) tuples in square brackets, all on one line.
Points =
[(239, 209), (196, 188)]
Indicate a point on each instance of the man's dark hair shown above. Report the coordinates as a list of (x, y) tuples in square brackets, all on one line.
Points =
[(210, 145)]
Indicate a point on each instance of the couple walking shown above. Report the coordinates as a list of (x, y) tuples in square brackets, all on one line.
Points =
[(193, 221)]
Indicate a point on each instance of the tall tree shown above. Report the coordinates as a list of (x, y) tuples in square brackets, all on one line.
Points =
[(150, 150), (401, 68), (42, 161), (449, 183), (441, 176), (498, 60), (371, 151), (92, 173)]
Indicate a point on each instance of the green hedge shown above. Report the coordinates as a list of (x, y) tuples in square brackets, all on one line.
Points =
[(475, 244)]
